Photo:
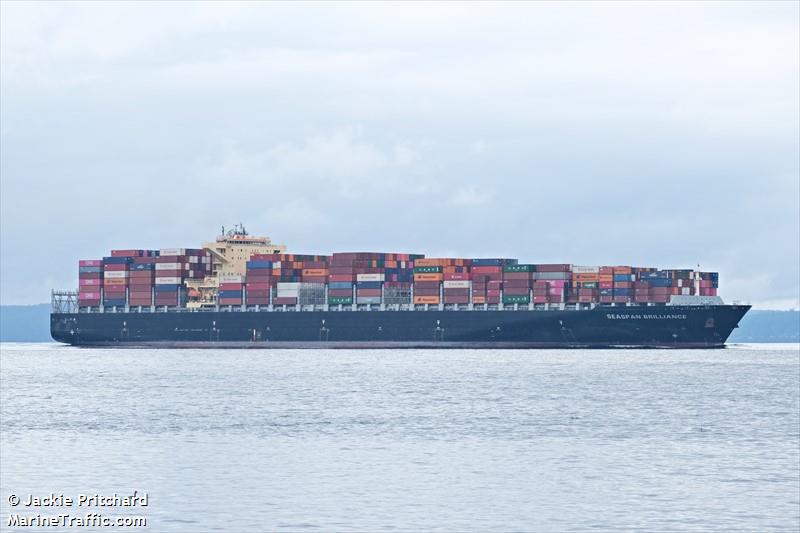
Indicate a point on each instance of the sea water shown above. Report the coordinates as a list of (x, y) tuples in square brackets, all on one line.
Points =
[(404, 440)]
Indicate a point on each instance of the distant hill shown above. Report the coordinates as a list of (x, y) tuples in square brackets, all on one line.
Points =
[(25, 323), (768, 326), (31, 323)]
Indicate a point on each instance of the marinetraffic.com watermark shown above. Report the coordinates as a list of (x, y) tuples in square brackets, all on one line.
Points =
[(82, 510)]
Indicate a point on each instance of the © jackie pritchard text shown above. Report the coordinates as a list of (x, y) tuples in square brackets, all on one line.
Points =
[(82, 500)]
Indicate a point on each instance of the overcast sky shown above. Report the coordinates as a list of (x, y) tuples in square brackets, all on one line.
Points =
[(662, 134)]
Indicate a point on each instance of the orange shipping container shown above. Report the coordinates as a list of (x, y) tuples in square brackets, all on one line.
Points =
[(585, 277), (479, 299), (427, 277), (310, 272), (426, 262), (622, 270), (426, 299)]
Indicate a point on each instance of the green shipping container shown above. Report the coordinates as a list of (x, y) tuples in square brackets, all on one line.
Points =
[(340, 300), (516, 299), (427, 270), (518, 268)]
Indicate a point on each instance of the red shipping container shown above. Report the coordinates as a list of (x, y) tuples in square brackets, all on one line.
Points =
[(88, 303), (230, 301), (285, 301), (491, 299), (127, 253), (257, 286), (553, 268), (516, 275), (368, 292), (88, 295), (90, 282), (622, 299), (457, 276), (340, 292), (424, 291), (605, 299), (90, 263), (90, 275), (539, 299), (457, 291), (515, 291), (606, 284), (623, 284), (516, 283), (456, 299), (230, 286), (480, 269), (341, 277), (257, 294)]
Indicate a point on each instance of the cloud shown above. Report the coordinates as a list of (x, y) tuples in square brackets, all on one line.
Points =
[(654, 134), (469, 196)]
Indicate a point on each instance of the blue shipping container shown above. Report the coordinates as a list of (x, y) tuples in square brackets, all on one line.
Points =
[(622, 277), (259, 264), (230, 294), (90, 269), (167, 288), (340, 285), (368, 284), (119, 302), (116, 260), (147, 266)]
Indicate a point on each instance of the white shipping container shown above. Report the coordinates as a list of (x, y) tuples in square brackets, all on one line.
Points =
[(288, 293), (228, 278), (168, 281), (288, 285), (169, 266), (172, 251), (369, 277), (686, 291), (115, 274), (585, 269), (456, 284), (194, 259)]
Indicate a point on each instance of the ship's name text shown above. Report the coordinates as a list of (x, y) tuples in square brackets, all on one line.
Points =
[(615, 316)]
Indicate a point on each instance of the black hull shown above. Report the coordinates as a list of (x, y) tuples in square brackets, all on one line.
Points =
[(602, 327)]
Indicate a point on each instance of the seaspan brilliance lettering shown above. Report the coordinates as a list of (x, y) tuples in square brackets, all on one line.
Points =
[(615, 316)]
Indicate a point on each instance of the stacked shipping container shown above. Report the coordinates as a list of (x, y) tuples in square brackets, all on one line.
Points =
[(146, 277)]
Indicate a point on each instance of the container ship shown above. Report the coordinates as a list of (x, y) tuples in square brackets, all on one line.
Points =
[(246, 291)]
